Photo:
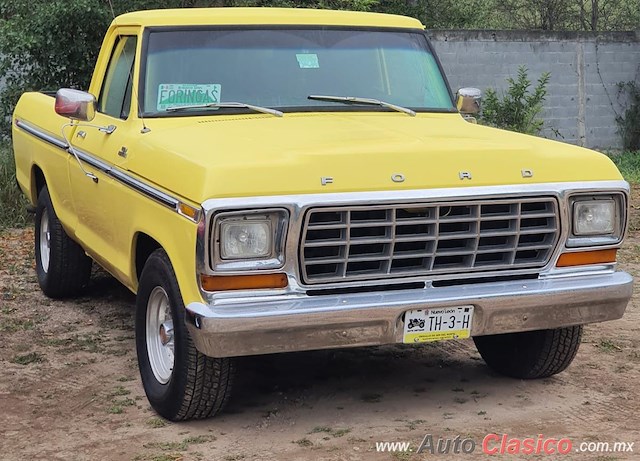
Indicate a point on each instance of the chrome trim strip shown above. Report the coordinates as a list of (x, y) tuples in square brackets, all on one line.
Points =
[(107, 169), (255, 326), (147, 190), (43, 136), (381, 197)]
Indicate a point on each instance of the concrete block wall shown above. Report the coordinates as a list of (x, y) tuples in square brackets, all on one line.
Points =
[(582, 100)]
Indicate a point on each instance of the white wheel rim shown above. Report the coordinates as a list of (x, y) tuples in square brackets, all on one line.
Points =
[(160, 340), (45, 241)]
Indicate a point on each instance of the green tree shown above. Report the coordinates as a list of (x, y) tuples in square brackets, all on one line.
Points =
[(518, 108), (44, 45), (591, 15)]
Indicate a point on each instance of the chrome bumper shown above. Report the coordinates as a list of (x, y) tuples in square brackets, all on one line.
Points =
[(262, 326)]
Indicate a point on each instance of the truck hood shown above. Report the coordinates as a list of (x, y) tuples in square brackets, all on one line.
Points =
[(252, 155)]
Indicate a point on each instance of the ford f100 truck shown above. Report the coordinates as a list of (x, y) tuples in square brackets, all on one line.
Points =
[(275, 180)]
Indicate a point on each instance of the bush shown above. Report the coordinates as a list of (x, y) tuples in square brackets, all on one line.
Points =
[(629, 122), (45, 45), (628, 162), (518, 108), (13, 205)]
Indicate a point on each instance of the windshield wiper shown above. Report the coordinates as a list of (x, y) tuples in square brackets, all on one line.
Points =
[(356, 100), (225, 105)]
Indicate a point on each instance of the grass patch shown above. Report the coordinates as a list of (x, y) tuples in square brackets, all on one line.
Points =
[(118, 405), (160, 457), (26, 359), (181, 446), (119, 390), (305, 442), (606, 345), (11, 325), (340, 432), (318, 429), (13, 205), (329, 430), (115, 409), (126, 402), (156, 423), (402, 455), (628, 163), (76, 343)]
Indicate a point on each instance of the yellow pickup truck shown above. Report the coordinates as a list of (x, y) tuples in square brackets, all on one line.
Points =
[(274, 180)]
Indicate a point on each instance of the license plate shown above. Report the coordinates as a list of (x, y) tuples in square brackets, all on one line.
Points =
[(424, 325)]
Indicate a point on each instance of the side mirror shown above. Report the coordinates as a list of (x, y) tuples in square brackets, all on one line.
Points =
[(468, 101), (75, 104)]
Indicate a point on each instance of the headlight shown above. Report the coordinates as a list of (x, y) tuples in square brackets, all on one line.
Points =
[(248, 240), (594, 217), (597, 220), (245, 239)]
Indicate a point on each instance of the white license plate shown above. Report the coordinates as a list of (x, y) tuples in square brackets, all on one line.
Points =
[(424, 325)]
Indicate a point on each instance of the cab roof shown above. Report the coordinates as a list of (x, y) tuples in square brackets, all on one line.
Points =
[(263, 16)]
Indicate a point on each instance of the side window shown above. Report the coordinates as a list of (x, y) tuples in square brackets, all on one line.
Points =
[(115, 96)]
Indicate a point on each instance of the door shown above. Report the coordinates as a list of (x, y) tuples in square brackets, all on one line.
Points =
[(102, 145)]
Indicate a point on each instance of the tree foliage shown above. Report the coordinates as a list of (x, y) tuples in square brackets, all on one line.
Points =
[(48, 44), (518, 108), (568, 14)]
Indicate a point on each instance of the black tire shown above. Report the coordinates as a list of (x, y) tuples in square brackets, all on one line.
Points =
[(530, 354), (66, 270), (196, 386)]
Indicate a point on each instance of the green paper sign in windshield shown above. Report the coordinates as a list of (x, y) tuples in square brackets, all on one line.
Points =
[(187, 94)]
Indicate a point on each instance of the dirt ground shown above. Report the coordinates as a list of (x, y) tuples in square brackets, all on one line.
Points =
[(69, 387)]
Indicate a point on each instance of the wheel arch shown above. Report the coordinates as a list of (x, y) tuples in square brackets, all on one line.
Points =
[(143, 245), (38, 181)]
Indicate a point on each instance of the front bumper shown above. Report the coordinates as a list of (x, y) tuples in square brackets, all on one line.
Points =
[(261, 326)]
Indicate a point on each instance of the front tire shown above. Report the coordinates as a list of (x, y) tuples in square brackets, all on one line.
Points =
[(530, 354), (180, 382), (62, 267)]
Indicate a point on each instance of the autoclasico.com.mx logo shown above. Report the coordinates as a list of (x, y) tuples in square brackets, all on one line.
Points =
[(503, 444)]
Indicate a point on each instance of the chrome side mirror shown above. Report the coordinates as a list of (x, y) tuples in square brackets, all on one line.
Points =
[(75, 104), (468, 101)]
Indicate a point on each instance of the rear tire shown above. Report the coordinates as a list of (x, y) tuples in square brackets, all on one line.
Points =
[(180, 382), (62, 266), (530, 354)]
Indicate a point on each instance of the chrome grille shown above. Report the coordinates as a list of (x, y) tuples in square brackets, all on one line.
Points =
[(374, 242)]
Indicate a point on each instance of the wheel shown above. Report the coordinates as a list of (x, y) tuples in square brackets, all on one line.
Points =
[(62, 267), (530, 354), (180, 382)]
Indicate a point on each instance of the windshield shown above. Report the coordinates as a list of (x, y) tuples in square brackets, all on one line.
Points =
[(280, 68)]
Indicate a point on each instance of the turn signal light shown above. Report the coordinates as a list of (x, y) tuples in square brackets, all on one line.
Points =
[(243, 282), (582, 258)]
